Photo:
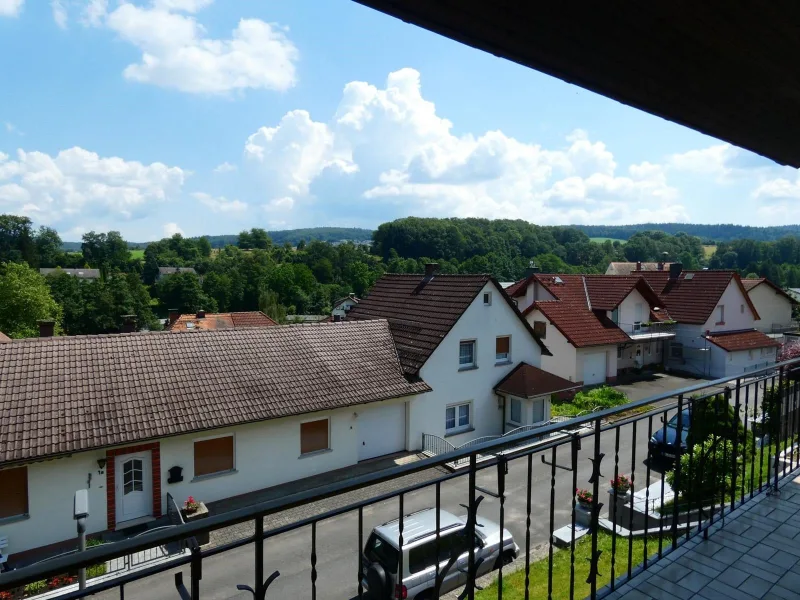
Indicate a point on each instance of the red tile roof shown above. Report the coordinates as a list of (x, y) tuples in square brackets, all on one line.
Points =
[(518, 288), (527, 381), (692, 297), (221, 321), (606, 292), (749, 284), (421, 310), (579, 325), (61, 395), (733, 341)]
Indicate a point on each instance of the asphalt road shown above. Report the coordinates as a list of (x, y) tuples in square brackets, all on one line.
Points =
[(337, 539)]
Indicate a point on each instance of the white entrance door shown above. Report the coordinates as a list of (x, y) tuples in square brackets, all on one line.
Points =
[(594, 368), (134, 486), (381, 430)]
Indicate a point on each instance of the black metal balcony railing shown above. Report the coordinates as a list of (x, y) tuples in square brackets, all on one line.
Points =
[(724, 460)]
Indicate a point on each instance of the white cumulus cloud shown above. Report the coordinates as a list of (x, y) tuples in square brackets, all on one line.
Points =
[(177, 52), (10, 8), (402, 157), (59, 13), (219, 204), (77, 182), (171, 229), (225, 167)]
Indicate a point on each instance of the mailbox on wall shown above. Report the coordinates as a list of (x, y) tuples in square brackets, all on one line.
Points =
[(175, 475)]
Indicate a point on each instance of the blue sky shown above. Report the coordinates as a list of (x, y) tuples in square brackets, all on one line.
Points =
[(210, 116)]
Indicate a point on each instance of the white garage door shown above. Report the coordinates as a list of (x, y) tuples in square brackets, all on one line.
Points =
[(381, 430), (594, 368)]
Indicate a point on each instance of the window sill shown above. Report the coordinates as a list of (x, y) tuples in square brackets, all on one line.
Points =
[(213, 475), (458, 431), (502, 363), (315, 453), (468, 368), (513, 425), (14, 519)]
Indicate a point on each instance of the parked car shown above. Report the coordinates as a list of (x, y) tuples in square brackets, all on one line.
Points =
[(664, 442), (381, 557)]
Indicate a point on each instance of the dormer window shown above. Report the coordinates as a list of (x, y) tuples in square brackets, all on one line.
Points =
[(487, 298)]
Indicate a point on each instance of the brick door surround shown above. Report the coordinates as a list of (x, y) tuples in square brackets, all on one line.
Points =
[(111, 484)]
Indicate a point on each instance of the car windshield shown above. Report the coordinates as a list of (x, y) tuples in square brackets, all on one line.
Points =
[(673, 422), (380, 551)]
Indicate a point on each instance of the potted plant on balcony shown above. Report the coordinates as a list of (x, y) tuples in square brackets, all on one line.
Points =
[(583, 510), (193, 510), (584, 497)]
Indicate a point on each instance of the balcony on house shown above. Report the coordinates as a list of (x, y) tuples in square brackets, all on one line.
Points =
[(649, 330), (779, 328)]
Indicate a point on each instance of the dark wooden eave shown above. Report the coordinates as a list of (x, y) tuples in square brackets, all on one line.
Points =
[(726, 69)]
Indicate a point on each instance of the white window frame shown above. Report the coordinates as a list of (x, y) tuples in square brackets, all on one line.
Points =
[(474, 363), (511, 419), (457, 428), (498, 358), (216, 473), (487, 298), (721, 315), (300, 436)]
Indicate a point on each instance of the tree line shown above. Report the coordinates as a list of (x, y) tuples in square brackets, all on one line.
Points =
[(308, 277)]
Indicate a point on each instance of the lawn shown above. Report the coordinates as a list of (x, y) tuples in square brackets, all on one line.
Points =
[(514, 584), (137, 254), (708, 251), (600, 240)]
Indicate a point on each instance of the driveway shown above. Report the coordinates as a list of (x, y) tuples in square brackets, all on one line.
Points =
[(656, 384)]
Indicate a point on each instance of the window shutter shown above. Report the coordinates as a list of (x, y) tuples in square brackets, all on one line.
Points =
[(502, 345), (314, 436), (14, 498), (213, 456)]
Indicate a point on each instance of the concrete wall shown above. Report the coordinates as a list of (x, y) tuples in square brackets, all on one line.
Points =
[(737, 312), (453, 386), (51, 490), (772, 307), (563, 361)]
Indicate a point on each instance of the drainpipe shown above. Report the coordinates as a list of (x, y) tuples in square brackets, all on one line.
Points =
[(503, 416)]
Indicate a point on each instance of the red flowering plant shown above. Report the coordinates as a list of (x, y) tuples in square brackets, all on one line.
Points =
[(191, 505), (621, 484), (584, 497)]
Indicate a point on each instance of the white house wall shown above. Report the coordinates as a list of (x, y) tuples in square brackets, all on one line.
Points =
[(730, 364), (627, 310), (611, 360), (535, 292), (737, 312), (563, 361), (451, 386), (265, 454), (51, 490), (772, 307)]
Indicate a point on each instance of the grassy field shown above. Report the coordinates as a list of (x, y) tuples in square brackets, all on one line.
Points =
[(137, 254), (600, 240), (709, 251), (514, 584)]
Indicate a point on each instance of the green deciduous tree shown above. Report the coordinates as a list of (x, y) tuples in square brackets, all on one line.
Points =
[(25, 299)]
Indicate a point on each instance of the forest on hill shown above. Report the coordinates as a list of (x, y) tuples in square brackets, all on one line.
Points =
[(708, 233), (307, 277)]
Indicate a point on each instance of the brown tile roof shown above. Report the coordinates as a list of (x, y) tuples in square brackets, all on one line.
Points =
[(692, 297), (527, 381), (749, 284), (221, 321), (733, 341), (422, 310), (606, 292), (67, 394), (629, 268), (579, 325), (518, 288)]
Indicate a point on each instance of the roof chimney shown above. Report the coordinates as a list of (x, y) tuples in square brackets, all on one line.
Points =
[(638, 266), (128, 323), (174, 315), (47, 328), (201, 314), (430, 269), (675, 270), (532, 268)]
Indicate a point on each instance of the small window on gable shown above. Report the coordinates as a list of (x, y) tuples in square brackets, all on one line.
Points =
[(540, 329), (742, 308), (466, 354), (502, 351), (721, 314), (487, 298)]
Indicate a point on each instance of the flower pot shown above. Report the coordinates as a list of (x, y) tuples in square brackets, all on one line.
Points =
[(622, 498), (583, 513), (200, 513)]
